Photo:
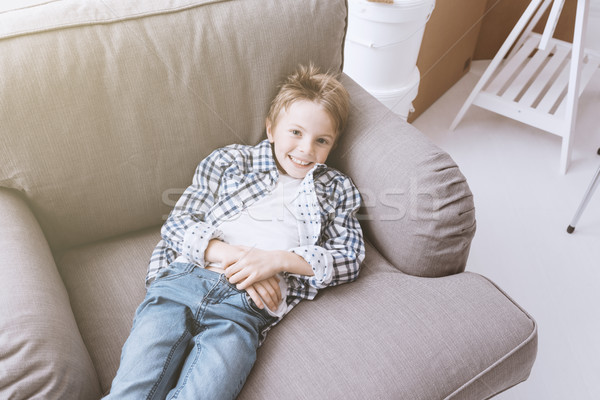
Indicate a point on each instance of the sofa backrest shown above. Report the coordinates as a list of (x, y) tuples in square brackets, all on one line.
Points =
[(106, 107)]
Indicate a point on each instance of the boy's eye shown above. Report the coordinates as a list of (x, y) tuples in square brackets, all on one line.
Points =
[(295, 132)]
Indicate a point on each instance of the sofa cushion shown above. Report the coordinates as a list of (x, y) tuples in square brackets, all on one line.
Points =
[(108, 106), (387, 335), (105, 281), (42, 355), (418, 209), (395, 336)]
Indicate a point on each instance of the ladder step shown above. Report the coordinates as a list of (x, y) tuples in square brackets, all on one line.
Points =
[(557, 89), (512, 65), (524, 79), (544, 78), (590, 66), (536, 81), (527, 115)]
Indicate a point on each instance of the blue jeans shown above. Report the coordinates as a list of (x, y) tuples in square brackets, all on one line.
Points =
[(193, 337)]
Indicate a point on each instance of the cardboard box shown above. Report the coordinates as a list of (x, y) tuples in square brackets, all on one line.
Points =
[(502, 15), (447, 48), (463, 30)]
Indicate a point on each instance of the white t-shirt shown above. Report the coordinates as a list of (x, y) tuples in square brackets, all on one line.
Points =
[(268, 224)]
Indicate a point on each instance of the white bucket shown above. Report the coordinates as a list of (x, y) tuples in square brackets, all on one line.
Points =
[(383, 41), (399, 100)]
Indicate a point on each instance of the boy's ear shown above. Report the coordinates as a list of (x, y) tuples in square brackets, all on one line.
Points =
[(268, 126)]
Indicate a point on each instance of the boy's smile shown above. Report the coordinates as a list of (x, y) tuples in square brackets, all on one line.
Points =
[(302, 136)]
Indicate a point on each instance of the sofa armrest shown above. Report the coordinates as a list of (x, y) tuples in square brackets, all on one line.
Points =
[(42, 354), (418, 210)]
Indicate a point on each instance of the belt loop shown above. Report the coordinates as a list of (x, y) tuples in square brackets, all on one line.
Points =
[(190, 267)]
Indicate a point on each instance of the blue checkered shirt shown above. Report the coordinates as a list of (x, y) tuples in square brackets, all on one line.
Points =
[(233, 178)]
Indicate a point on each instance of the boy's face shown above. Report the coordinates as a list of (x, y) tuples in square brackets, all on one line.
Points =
[(302, 135)]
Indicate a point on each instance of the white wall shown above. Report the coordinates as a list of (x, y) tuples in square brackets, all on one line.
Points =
[(593, 26)]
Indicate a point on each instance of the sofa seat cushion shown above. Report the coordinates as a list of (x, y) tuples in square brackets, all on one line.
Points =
[(387, 335), (394, 336), (105, 281), (42, 354)]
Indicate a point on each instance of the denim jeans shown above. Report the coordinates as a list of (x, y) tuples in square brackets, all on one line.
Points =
[(193, 337)]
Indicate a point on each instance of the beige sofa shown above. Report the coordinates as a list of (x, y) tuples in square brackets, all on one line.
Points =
[(107, 106)]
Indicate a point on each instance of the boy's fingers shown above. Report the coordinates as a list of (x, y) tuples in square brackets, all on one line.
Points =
[(231, 269), (235, 274), (241, 286), (274, 282), (242, 283), (271, 294), (255, 297), (271, 287), (264, 296), (275, 292), (244, 278)]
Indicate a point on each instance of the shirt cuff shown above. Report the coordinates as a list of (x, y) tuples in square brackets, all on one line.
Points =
[(195, 241), (321, 262)]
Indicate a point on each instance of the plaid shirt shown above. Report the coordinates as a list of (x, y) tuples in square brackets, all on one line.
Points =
[(233, 178)]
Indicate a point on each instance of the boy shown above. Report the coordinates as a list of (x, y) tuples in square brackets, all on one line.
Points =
[(260, 229)]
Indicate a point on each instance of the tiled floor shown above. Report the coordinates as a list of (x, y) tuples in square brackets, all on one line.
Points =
[(523, 207)]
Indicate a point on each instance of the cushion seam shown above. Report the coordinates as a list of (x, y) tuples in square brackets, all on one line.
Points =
[(106, 21), (521, 345)]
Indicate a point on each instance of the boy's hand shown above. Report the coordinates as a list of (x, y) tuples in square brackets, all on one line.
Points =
[(267, 290), (223, 253), (254, 266)]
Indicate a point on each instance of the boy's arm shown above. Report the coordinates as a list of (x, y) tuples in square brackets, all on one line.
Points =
[(186, 230), (338, 256), (251, 265)]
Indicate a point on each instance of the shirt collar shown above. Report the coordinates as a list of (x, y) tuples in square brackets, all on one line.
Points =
[(265, 161)]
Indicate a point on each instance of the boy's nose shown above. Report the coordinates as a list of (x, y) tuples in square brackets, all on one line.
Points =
[(306, 146)]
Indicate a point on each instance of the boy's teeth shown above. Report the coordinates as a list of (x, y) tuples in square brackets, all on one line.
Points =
[(298, 161)]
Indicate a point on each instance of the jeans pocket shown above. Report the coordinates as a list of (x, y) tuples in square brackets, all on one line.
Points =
[(173, 271)]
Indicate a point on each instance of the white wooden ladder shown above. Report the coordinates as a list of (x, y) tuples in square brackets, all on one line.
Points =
[(540, 81)]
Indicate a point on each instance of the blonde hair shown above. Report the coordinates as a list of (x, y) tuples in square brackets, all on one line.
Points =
[(307, 83)]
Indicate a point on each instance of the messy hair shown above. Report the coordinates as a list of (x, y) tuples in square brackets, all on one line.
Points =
[(307, 83)]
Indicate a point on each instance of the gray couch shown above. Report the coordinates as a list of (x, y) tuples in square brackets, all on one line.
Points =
[(106, 108)]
